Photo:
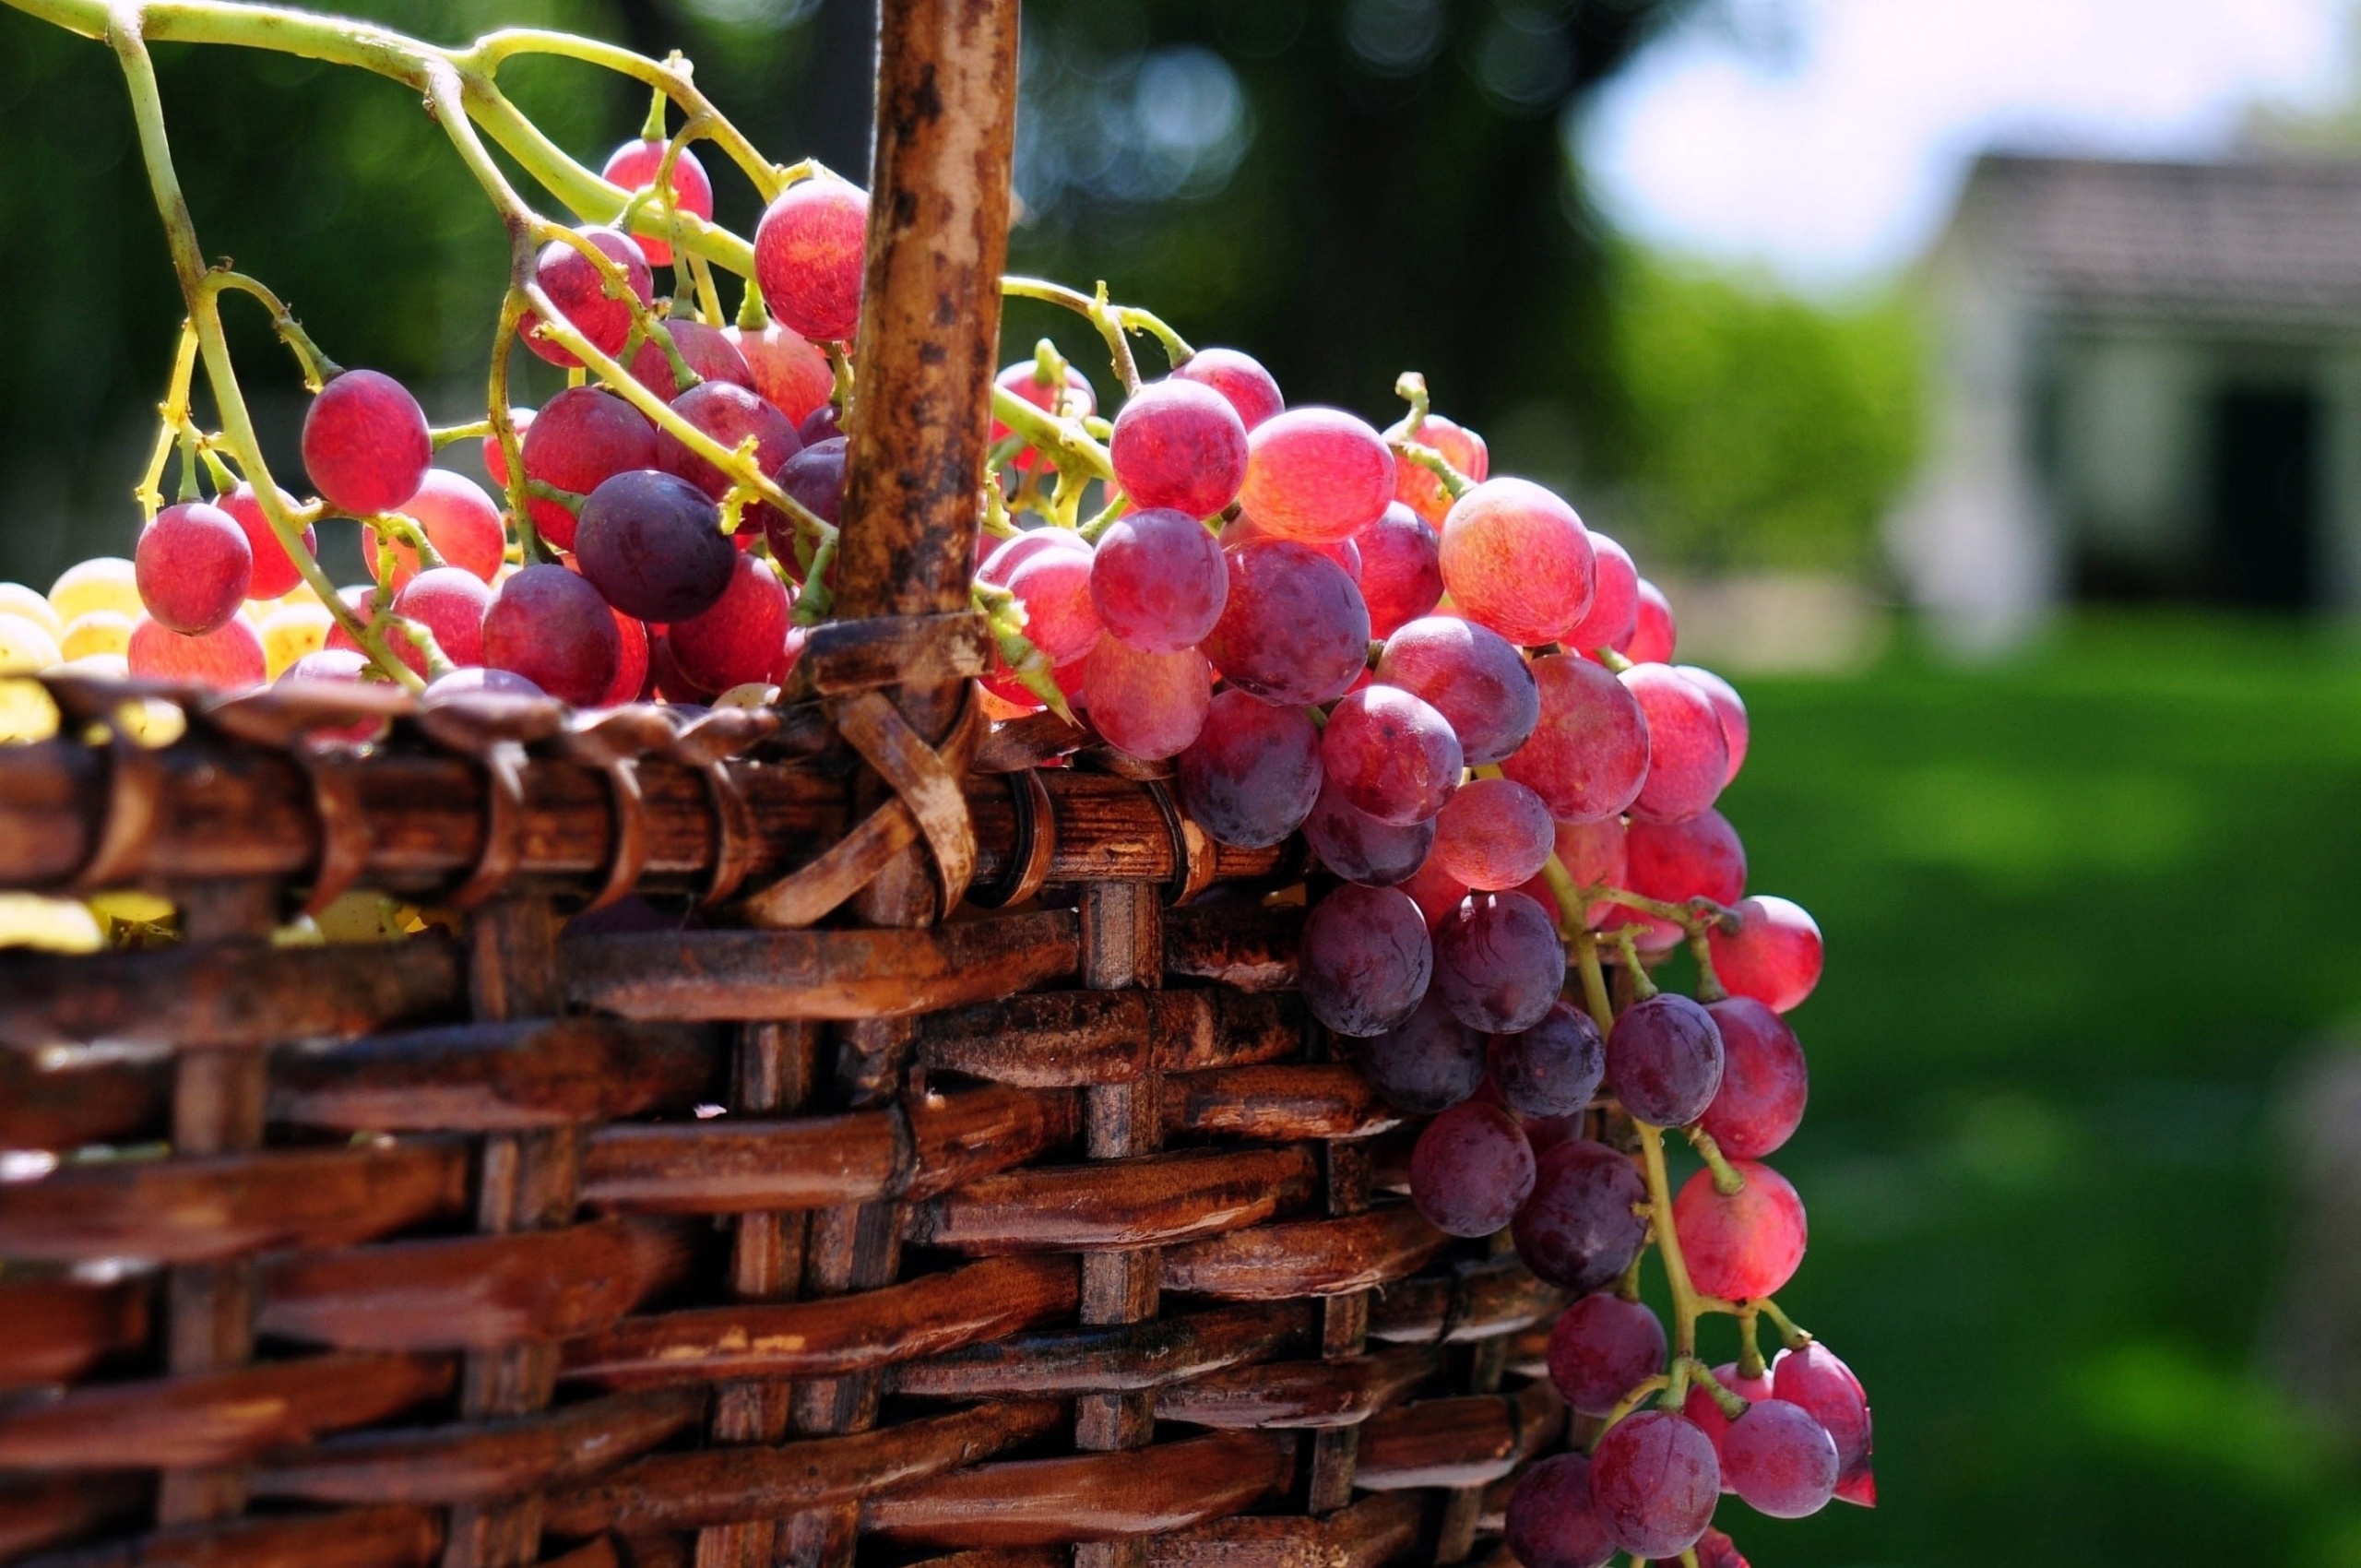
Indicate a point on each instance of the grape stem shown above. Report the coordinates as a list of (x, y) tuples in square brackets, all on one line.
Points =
[(170, 414), (1685, 1303), (1455, 483), (1794, 1338), (1411, 388), (1732, 1404), (1067, 443), (1726, 1181), (1113, 320)]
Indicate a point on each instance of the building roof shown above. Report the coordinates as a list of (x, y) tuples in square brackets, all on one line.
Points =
[(2245, 240)]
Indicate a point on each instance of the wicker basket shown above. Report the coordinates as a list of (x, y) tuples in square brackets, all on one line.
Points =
[(805, 1226)]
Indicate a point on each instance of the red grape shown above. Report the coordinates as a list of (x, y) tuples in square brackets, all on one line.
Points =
[(1614, 600), (730, 414), (365, 443), (634, 166), (1728, 706), (1316, 474), (1779, 1460), (342, 664), (1475, 677), (652, 545), (459, 520), (1178, 445), (495, 462), (1471, 1170), (449, 601), (1578, 1229), (1764, 1083), (1653, 633), (819, 425), (1775, 958), (1293, 629), (1150, 705), (1060, 614), (1364, 959), (1499, 963), (362, 599), (1242, 529), (1493, 834), (1420, 488), (1074, 400), (1601, 1349), (1359, 848), (1654, 1482), (1551, 1522), (815, 477), (227, 656), (1516, 559), (738, 637), (274, 571), (1392, 755), (809, 251), (1011, 554), (1746, 1245), (1675, 861), (1158, 579), (1594, 855), (581, 439), (631, 665), (1430, 888), (1716, 1550), (707, 351), (1401, 574), (1663, 1060), (1688, 758), (1238, 377), (1588, 756), (579, 295), (551, 627), (1253, 774), (1813, 1378), (1701, 1407), (1553, 1068), (789, 369), (1429, 1061), (193, 565)]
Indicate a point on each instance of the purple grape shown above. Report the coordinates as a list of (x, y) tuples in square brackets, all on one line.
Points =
[(1780, 1460), (1578, 1229), (1157, 579), (1474, 676), (1471, 1170), (1654, 1482), (1499, 963), (1553, 1068), (1428, 1062), (552, 627), (1253, 774), (1293, 628), (1365, 959), (1359, 848), (1813, 1378), (1664, 1059), (1601, 1349), (1764, 1083), (1400, 577), (652, 543), (1391, 754), (1551, 1522)]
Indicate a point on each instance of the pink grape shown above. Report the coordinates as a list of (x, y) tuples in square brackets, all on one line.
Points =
[(1238, 377), (1653, 1484), (1716, 1550), (1499, 963), (1062, 614), (1434, 890), (739, 637), (1074, 399), (1253, 774), (1594, 855), (1687, 759), (1728, 706), (634, 166), (1550, 1523), (1745, 1246), (1516, 559), (365, 443), (479, 680), (1493, 834), (1588, 756), (631, 663), (1614, 600), (1471, 1170), (1429, 1061), (579, 294), (1360, 848), (193, 565), (459, 520), (1553, 1068), (1364, 958), (709, 353), (652, 545), (551, 627), (1316, 474), (1775, 958), (810, 249), (1150, 705), (1401, 574), (275, 572), (1293, 629), (1158, 579), (495, 462), (1578, 1229), (1011, 554), (1392, 755), (1420, 487), (360, 598), (729, 414), (1780, 1460), (1675, 861), (1475, 677), (449, 601), (226, 657), (1242, 529), (1814, 1378), (789, 370), (1181, 446), (1764, 1081), (1665, 1060), (1653, 633), (1701, 1408), (1602, 1347), (582, 438)]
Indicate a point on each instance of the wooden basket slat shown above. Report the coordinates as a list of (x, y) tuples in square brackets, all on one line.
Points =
[(1101, 1358), (1139, 1201), (1374, 1530), (1338, 1393), (57, 1329), (392, 1537), (39, 1512), (1462, 1442), (1305, 1257)]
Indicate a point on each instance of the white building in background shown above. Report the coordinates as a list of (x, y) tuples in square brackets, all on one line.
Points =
[(2147, 385)]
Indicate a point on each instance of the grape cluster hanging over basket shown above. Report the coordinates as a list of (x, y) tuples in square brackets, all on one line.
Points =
[(865, 964)]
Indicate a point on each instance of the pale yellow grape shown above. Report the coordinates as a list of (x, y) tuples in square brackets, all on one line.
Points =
[(293, 630), (26, 712), (104, 582), (60, 925), (131, 905), (15, 599), (299, 594), (753, 693), (358, 917), (100, 631), (151, 722), (25, 645)]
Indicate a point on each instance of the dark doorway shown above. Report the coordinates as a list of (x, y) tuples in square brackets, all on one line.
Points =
[(2265, 505)]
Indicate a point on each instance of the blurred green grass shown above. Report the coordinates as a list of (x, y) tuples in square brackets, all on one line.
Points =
[(2084, 912)]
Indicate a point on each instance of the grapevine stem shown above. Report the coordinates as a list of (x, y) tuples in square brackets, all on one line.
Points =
[(172, 413), (1685, 1305), (1602, 1011), (1455, 483), (1066, 442), (1793, 1337), (530, 548), (1114, 322), (317, 366), (1726, 1181), (1749, 1354)]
